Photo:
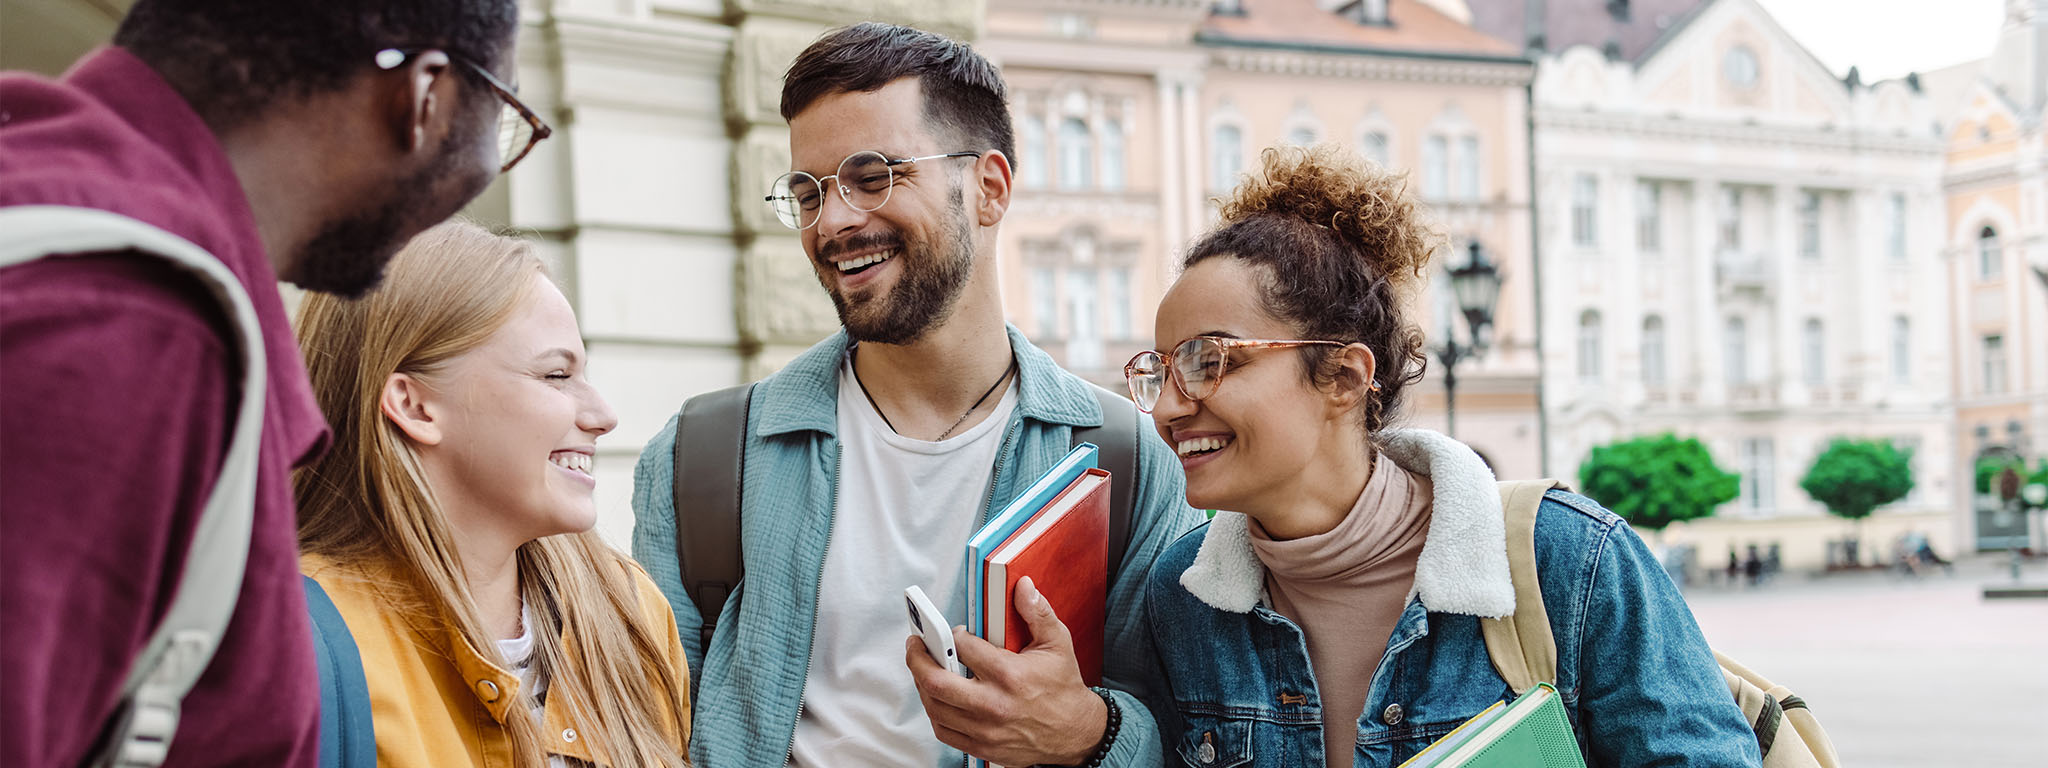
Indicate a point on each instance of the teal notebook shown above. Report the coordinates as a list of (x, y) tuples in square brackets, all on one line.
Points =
[(1013, 516), (1530, 732)]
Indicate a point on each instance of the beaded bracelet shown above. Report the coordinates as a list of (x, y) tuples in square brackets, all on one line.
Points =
[(1116, 721)]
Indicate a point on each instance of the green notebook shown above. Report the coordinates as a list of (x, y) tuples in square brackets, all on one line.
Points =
[(1531, 732)]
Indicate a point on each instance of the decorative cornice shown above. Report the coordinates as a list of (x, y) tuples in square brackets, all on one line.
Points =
[(1306, 60), (1647, 126), (1971, 177)]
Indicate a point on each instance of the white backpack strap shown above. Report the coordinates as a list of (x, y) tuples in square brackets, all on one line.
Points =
[(1521, 646), (181, 648)]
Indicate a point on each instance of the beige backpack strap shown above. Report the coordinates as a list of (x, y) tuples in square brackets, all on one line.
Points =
[(1786, 731), (1521, 646)]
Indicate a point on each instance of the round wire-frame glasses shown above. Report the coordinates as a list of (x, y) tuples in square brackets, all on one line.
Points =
[(864, 180), (519, 129), (1196, 366)]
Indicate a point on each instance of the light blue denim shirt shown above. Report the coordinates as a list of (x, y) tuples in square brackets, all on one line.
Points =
[(1637, 680), (749, 684)]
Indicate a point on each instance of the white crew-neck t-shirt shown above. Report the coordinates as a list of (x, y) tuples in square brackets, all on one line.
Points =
[(518, 652), (904, 512)]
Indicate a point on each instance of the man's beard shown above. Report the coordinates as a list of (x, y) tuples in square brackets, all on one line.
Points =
[(925, 294), (347, 257)]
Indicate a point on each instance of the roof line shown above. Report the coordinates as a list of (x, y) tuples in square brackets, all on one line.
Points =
[(1671, 33), (1206, 37)]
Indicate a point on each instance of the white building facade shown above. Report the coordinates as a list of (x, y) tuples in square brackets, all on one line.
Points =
[(1741, 247)]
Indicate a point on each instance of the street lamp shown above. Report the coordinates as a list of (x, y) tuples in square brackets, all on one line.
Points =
[(1476, 285)]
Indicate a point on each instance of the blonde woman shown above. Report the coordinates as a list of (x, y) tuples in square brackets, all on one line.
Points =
[(451, 522)]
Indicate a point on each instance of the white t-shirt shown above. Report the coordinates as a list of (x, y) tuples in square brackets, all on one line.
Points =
[(518, 652), (905, 509)]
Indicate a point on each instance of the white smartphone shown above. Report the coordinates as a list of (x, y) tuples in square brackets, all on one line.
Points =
[(932, 627)]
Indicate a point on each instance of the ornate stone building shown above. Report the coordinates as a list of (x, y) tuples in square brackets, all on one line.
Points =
[(1133, 115), (1742, 247), (1995, 249)]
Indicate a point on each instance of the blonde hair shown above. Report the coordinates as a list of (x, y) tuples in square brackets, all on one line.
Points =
[(367, 501)]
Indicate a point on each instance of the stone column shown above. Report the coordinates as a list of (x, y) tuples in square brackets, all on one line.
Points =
[(779, 308)]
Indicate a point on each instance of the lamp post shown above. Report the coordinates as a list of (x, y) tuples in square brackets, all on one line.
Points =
[(1476, 285)]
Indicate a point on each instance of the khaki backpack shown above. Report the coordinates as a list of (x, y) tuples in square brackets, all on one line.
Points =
[(1525, 653)]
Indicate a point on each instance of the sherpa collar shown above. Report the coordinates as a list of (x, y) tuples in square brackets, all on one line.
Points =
[(1464, 563)]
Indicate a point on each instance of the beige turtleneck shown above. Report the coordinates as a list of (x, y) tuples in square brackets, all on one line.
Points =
[(1346, 589)]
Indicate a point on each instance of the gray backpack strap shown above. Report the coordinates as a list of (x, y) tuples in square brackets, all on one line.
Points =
[(706, 488), (180, 648), (1117, 443)]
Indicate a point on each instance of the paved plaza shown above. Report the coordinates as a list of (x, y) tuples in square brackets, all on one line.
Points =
[(1903, 672)]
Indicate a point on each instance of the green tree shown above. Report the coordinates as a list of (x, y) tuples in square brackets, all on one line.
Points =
[(1656, 481), (1852, 478)]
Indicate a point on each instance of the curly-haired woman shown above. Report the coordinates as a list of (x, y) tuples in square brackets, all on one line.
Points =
[(1331, 614)]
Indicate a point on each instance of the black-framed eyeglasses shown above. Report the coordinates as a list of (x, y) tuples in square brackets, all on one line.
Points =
[(864, 181), (518, 127)]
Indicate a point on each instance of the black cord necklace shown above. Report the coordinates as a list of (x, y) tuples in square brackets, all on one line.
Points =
[(956, 422)]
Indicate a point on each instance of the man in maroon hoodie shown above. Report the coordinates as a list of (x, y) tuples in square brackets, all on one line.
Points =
[(295, 140)]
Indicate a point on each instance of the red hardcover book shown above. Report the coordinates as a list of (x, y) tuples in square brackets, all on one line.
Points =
[(1065, 551)]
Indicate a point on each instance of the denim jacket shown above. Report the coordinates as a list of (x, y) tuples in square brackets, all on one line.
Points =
[(1637, 680), (749, 685)]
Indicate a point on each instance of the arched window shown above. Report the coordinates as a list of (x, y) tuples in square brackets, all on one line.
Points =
[(1113, 154), (1653, 352), (1589, 346), (1989, 265), (1076, 155), (1033, 163), (1376, 146), (1301, 136), (1226, 157)]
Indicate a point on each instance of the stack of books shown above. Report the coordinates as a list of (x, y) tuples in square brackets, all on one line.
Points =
[(1057, 533)]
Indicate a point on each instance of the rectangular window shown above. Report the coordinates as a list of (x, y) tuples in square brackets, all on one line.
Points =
[(1436, 171), (1113, 155), (1084, 321), (1897, 240), (1653, 352), (1585, 201), (1468, 167), (1226, 158), (1759, 467), (1120, 301), (1589, 347), (1731, 220), (1809, 226), (1994, 365), (1735, 352), (1902, 351), (1045, 302), (1649, 218), (1814, 347)]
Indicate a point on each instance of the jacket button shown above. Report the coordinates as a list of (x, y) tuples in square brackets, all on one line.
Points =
[(1392, 714), (1206, 753), (487, 690), (568, 734)]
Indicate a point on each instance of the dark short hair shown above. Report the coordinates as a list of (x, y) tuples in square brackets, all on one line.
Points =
[(232, 58), (1340, 244), (963, 93)]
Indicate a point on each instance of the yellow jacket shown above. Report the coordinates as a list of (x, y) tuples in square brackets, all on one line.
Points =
[(436, 702)]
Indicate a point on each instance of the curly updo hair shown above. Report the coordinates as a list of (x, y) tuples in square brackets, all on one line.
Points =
[(1340, 245)]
